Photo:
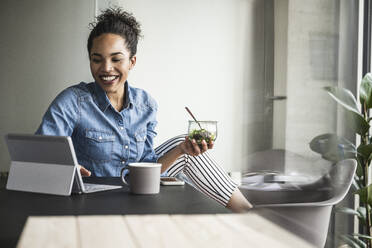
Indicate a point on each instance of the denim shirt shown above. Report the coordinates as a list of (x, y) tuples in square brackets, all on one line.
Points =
[(105, 140)]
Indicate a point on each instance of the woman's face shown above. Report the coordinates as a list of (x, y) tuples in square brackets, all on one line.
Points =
[(110, 62)]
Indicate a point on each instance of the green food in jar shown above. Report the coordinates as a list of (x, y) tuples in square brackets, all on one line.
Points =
[(201, 134)]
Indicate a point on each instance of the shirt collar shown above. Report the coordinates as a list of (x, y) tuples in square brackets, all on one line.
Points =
[(103, 101)]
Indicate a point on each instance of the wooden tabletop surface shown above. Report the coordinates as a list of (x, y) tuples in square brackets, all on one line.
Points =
[(204, 230)]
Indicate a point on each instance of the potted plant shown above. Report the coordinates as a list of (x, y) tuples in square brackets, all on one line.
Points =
[(335, 148)]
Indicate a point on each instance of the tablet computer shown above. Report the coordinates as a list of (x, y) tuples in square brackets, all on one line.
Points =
[(46, 164)]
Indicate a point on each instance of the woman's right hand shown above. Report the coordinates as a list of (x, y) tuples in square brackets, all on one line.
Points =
[(190, 147), (84, 172)]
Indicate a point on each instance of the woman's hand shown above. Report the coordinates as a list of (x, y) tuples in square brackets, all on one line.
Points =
[(190, 147), (84, 172)]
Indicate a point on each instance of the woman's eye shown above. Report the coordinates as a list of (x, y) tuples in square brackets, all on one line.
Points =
[(96, 61), (116, 60)]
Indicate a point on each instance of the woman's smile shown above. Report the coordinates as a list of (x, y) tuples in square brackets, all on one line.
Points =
[(109, 79)]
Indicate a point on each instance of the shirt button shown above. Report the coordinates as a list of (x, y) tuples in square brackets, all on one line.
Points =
[(121, 128), (123, 161), (126, 147)]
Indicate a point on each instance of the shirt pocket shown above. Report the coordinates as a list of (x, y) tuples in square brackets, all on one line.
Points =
[(140, 137), (99, 145)]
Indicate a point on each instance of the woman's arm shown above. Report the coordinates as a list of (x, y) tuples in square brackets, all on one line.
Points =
[(188, 146)]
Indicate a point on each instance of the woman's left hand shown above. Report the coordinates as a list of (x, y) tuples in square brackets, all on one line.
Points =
[(190, 147)]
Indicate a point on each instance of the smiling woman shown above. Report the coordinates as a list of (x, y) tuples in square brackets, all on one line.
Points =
[(110, 62), (113, 124), (112, 46)]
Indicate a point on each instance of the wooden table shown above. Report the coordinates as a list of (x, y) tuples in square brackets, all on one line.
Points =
[(16, 207), (205, 230)]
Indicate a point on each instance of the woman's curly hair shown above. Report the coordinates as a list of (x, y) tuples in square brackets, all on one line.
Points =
[(116, 21)]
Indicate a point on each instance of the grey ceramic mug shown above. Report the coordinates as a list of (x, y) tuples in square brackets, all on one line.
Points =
[(144, 178)]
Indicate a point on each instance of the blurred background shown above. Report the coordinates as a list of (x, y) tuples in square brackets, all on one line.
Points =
[(255, 66)]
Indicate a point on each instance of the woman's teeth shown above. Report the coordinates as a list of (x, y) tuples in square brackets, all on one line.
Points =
[(108, 78)]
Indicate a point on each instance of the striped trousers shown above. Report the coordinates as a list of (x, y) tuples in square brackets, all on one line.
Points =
[(201, 171)]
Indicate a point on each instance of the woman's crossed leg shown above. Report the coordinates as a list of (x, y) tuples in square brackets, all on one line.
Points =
[(206, 175)]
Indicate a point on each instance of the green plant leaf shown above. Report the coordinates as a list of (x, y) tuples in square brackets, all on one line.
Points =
[(346, 210), (350, 240), (356, 122), (332, 147), (359, 170), (355, 184), (365, 91), (359, 181), (362, 236), (365, 151), (357, 240), (347, 100), (344, 97), (362, 213), (363, 194)]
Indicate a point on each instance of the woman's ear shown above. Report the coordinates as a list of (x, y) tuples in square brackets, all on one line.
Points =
[(132, 62)]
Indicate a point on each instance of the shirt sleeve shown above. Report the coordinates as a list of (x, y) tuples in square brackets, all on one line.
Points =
[(62, 115), (149, 154)]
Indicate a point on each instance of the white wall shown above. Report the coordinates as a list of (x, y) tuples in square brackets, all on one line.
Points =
[(313, 57), (43, 50), (207, 55), (321, 50), (280, 72)]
